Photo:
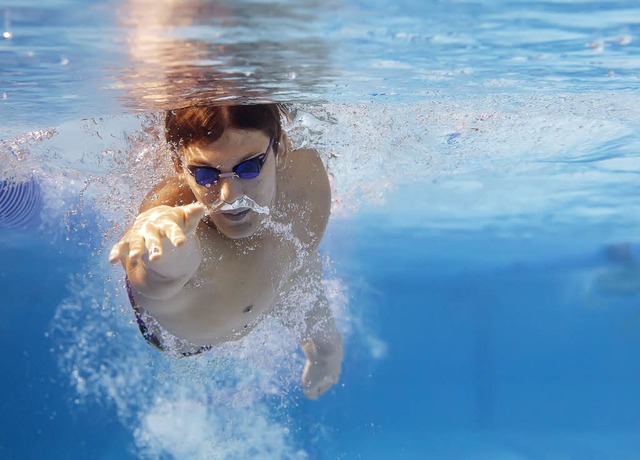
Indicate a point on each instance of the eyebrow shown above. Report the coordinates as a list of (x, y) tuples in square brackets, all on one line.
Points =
[(245, 158), (251, 155)]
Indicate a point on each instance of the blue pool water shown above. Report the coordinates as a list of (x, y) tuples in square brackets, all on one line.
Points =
[(482, 258)]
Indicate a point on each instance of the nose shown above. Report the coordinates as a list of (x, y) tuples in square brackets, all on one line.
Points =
[(230, 189)]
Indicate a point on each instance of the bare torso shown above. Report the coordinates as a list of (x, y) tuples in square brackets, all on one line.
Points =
[(238, 281)]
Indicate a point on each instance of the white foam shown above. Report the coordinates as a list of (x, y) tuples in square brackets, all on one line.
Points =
[(186, 428)]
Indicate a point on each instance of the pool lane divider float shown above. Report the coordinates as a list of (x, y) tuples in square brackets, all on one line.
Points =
[(20, 204)]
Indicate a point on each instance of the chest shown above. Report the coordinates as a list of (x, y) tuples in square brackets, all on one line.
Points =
[(239, 281), (239, 275)]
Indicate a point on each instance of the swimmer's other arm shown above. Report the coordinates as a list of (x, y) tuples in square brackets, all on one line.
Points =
[(161, 252), (321, 341), (323, 348)]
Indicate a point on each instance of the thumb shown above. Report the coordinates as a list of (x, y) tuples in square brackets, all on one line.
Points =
[(193, 213)]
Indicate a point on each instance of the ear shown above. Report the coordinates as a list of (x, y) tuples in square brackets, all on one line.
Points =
[(284, 150), (176, 158)]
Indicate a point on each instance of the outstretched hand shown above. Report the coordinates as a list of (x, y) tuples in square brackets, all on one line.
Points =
[(150, 228)]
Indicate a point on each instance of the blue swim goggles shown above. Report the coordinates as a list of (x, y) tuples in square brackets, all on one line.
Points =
[(248, 169)]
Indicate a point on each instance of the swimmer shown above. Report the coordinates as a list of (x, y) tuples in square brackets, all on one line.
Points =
[(232, 238)]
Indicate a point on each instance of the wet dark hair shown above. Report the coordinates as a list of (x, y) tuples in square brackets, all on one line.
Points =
[(191, 125)]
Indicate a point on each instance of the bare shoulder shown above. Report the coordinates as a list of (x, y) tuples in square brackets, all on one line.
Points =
[(308, 190), (170, 192)]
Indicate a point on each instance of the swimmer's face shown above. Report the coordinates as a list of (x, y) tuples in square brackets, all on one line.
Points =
[(233, 147)]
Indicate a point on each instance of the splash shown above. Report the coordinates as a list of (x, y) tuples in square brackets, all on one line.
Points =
[(185, 429), (218, 405), (230, 403)]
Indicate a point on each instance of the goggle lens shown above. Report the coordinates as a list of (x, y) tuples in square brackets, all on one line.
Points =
[(249, 169), (205, 176)]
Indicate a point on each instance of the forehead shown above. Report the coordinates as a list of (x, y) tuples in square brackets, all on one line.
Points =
[(234, 145)]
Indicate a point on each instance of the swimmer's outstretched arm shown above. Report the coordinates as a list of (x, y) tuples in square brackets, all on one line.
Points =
[(161, 252)]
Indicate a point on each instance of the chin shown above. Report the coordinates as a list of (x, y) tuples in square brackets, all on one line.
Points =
[(235, 234), (239, 230)]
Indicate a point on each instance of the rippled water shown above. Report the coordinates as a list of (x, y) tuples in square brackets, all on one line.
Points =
[(73, 58), (461, 86)]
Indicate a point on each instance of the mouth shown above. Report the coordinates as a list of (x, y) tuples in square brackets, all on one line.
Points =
[(236, 215)]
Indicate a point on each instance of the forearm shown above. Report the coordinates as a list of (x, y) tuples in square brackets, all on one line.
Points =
[(321, 337), (322, 345)]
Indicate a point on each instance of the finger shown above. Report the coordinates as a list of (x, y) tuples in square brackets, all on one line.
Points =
[(117, 251), (136, 247), (193, 213), (153, 246), (175, 234)]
